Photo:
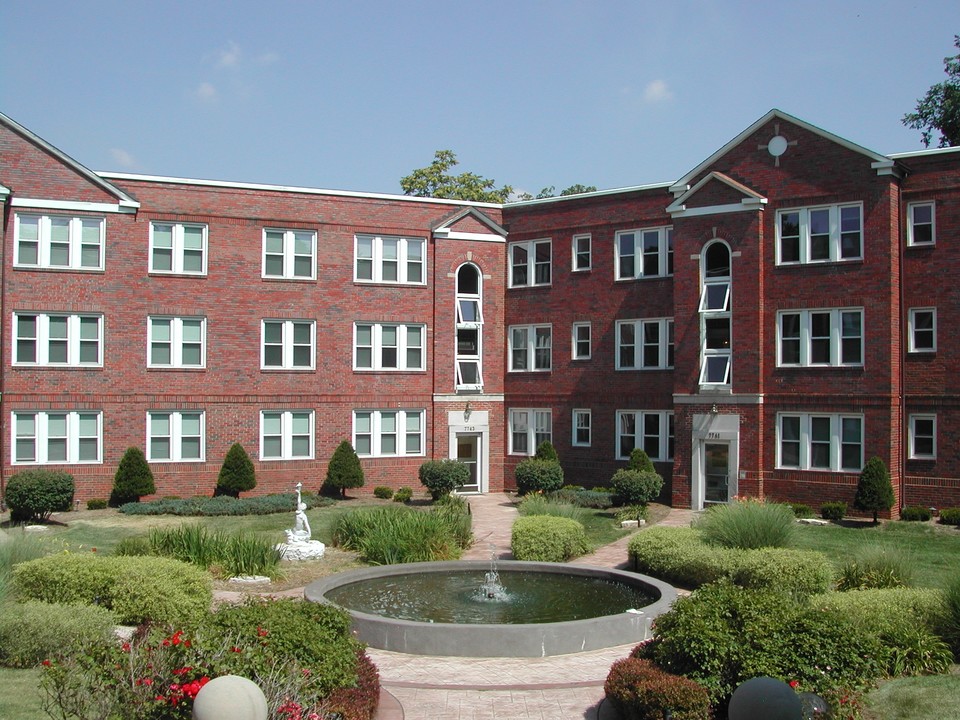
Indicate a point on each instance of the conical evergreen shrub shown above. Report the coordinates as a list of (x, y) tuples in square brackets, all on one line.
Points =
[(133, 478), (236, 474), (874, 489), (344, 471)]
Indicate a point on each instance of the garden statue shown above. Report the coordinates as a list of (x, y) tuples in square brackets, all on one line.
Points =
[(299, 546)]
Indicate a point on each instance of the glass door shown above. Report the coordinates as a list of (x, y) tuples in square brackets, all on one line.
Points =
[(716, 471), (468, 452)]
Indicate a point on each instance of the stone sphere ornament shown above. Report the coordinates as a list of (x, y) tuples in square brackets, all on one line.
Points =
[(230, 697), (814, 706), (767, 698)]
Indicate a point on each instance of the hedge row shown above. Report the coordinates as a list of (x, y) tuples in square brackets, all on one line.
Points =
[(224, 505)]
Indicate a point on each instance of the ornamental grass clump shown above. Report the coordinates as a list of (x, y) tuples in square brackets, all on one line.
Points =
[(232, 553), (543, 505), (748, 524), (392, 534), (876, 567)]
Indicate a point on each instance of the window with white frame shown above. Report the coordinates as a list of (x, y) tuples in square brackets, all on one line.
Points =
[(644, 253), (923, 330), (58, 339), (288, 345), (582, 259), (716, 319), (388, 433), (389, 259), (469, 327), (175, 436), (581, 341), (650, 430), (833, 233), (384, 346), (286, 434), (644, 344), (530, 347), (52, 436), (176, 342), (582, 425), (923, 437), (921, 224), (808, 441), (51, 241), (528, 428), (530, 263), (289, 254), (829, 337), (178, 248)]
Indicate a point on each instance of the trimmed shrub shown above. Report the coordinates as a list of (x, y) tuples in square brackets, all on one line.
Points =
[(383, 492), (874, 489), (876, 568), (631, 512), (542, 505), (636, 487), (533, 475), (96, 504), (641, 691), (801, 510), (442, 477), (32, 495), (403, 495), (33, 631), (16, 549), (546, 451), (597, 499), (950, 516), (876, 611), (748, 524), (359, 702), (797, 572), (833, 511), (546, 538), (237, 474), (916, 513), (640, 461), (137, 589), (224, 505), (133, 478), (344, 471)]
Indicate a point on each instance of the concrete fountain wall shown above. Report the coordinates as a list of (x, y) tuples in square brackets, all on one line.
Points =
[(502, 640)]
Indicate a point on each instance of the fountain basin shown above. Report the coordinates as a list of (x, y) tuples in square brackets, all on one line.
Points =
[(463, 639)]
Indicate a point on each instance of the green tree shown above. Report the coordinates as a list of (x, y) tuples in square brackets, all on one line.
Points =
[(436, 181), (939, 109), (344, 470), (639, 460), (874, 489), (133, 478), (236, 474), (546, 451), (549, 192)]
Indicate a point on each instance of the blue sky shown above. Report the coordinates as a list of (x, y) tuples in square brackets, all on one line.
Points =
[(354, 95)]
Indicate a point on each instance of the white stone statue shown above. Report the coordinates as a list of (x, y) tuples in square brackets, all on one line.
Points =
[(299, 546)]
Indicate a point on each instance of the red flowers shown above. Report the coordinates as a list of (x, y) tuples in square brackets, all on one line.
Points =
[(794, 684)]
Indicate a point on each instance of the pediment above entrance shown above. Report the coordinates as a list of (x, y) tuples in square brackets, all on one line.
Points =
[(715, 194)]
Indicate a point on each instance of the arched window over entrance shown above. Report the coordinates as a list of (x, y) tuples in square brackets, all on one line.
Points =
[(469, 328)]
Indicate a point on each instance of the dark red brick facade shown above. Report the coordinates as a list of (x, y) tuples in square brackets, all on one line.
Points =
[(737, 432)]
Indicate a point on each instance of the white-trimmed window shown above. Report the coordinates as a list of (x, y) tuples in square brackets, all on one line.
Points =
[(581, 341), (288, 344), (175, 436), (289, 254), (178, 248), (582, 427), (382, 346), (528, 428), (51, 241), (389, 259), (530, 263), (286, 434), (644, 253), (582, 256), (831, 337), (58, 339), (45, 438), (832, 233), (176, 342), (807, 441), (530, 347), (650, 430), (922, 332), (388, 433), (644, 344), (716, 320), (923, 437), (921, 224), (469, 326)]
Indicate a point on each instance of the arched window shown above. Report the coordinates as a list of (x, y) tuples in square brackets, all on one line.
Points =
[(715, 316), (469, 328)]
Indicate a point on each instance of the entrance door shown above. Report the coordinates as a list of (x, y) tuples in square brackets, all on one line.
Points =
[(468, 452), (716, 472)]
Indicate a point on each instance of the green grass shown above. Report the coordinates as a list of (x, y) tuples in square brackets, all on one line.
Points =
[(20, 695), (602, 528), (915, 698), (934, 550)]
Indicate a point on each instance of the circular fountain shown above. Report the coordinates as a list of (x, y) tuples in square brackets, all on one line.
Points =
[(505, 609)]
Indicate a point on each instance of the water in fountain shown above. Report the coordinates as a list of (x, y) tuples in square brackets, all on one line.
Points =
[(491, 588)]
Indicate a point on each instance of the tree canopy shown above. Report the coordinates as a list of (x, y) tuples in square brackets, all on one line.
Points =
[(549, 192), (436, 181), (939, 109)]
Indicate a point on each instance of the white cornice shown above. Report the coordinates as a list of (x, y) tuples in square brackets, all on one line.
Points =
[(41, 204)]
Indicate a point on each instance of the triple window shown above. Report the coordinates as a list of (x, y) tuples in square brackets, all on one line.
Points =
[(50, 241), (286, 435), (176, 342), (644, 253), (178, 248), (923, 330), (530, 263), (175, 436), (820, 337), (288, 345), (54, 339), (921, 224), (529, 428), (821, 234), (651, 430), (289, 254), (57, 437), (530, 348), (388, 259), (388, 433), (379, 346), (644, 344), (820, 442)]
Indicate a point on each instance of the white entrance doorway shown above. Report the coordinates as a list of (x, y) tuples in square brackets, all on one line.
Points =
[(715, 459), (716, 472), (469, 442), (468, 452)]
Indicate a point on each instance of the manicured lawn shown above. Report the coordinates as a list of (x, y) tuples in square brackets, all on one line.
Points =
[(915, 698), (20, 695)]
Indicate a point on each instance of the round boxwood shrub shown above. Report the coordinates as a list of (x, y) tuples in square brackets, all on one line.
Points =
[(403, 495), (547, 538), (237, 474), (33, 494), (950, 516), (833, 511), (639, 689), (442, 477), (344, 471), (636, 487), (534, 475), (383, 492), (916, 513), (133, 478)]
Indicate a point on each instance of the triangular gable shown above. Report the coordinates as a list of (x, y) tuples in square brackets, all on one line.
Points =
[(881, 163), (469, 224), (716, 193), (40, 176)]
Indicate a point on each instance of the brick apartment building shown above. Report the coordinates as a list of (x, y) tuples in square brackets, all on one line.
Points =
[(762, 326)]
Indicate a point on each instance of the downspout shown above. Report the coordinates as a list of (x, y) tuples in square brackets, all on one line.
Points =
[(3, 366), (901, 242)]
